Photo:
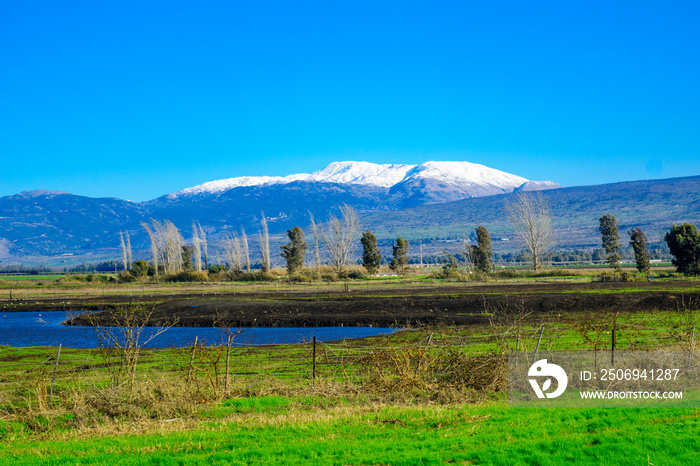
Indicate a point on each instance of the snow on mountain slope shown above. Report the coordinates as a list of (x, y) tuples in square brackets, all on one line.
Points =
[(361, 173), (219, 186), (457, 174), (465, 173)]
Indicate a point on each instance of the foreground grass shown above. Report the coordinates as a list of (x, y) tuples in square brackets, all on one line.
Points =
[(288, 430)]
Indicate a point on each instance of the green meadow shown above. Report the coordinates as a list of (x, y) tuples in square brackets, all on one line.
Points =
[(429, 395)]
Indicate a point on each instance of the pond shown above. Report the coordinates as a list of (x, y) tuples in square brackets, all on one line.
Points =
[(45, 329)]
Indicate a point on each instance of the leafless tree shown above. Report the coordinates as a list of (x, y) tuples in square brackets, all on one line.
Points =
[(123, 339), (166, 245), (468, 253), (529, 213), (233, 252), (197, 245), (123, 246), (339, 234), (246, 254), (317, 251), (230, 333), (129, 258), (155, 253), (264, 237), (173, 247), (203, 240)]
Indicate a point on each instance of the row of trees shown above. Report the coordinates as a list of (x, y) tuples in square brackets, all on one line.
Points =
[(528, 212), (611, 244), (683, 241)]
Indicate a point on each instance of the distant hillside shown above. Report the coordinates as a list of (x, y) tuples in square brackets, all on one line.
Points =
[(652, 205), (38, 226)]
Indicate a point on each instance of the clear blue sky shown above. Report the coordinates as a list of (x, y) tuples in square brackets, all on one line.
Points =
[(135, 99)]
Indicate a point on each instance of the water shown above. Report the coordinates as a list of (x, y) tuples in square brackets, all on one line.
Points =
[(45, 329)]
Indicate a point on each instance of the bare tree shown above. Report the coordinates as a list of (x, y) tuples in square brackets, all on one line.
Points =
[(529, 213), (197, 245), (264, 238), (246, 253), (203, 240), (173, 247), (317, 251), (339, 234), (154, 245), (129, 258), (158, 241), (123, 337), (123, 246), (233, 253)]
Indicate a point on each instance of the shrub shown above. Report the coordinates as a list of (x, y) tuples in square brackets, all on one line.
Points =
[(140, 269), (186, 276), (257, 276), (92, 278), (215, 269), (125, 277), (305, 276), (621, 277), (356, 275)]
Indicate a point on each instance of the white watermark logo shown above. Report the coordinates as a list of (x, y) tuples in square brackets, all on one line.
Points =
[(542, 368)]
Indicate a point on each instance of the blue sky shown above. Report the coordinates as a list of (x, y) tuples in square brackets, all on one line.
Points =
[(137, 99)]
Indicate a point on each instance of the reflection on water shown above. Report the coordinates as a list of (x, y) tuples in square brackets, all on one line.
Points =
[(45, 329)]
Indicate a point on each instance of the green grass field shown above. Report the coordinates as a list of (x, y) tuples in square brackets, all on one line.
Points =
[(319, 430), (400, 399)]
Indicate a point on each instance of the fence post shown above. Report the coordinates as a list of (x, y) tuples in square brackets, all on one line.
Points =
[(228, 361), (189, 371), (55, 368), (313, 364), (614, 332), (692, 346)]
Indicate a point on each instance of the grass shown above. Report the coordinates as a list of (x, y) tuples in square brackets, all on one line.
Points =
[(275, 430), (375, 401)]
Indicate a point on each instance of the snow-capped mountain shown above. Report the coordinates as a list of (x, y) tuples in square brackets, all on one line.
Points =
[(51, 223), (473, 179)]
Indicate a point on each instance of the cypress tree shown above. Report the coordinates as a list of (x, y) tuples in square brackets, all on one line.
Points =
[(371, 257), (400, 252), (611, 240), (294, 251), (481, 253), (638, 241)]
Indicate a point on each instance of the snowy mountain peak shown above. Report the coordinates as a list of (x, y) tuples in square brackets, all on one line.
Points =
[(361, 173), (463, 175)]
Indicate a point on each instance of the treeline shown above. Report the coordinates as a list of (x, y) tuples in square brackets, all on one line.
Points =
[(24, 270), (175, 259)]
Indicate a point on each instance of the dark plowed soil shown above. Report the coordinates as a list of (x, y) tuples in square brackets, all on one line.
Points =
[(390, 307)]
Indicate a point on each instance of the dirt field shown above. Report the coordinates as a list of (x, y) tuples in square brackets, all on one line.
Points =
[(396, 306)]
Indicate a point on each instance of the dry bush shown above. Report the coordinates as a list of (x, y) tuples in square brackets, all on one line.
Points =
[(411, 370), (484, 372), (91, 406)]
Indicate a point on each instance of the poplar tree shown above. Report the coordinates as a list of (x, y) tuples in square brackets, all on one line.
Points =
[(611, 240), (481, 253), (400, 252), (264, 237), (638, 241)]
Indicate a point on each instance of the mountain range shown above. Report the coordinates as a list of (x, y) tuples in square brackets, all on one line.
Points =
[(430, 200)]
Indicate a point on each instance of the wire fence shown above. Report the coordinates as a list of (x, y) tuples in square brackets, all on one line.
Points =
[(357, 362)]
